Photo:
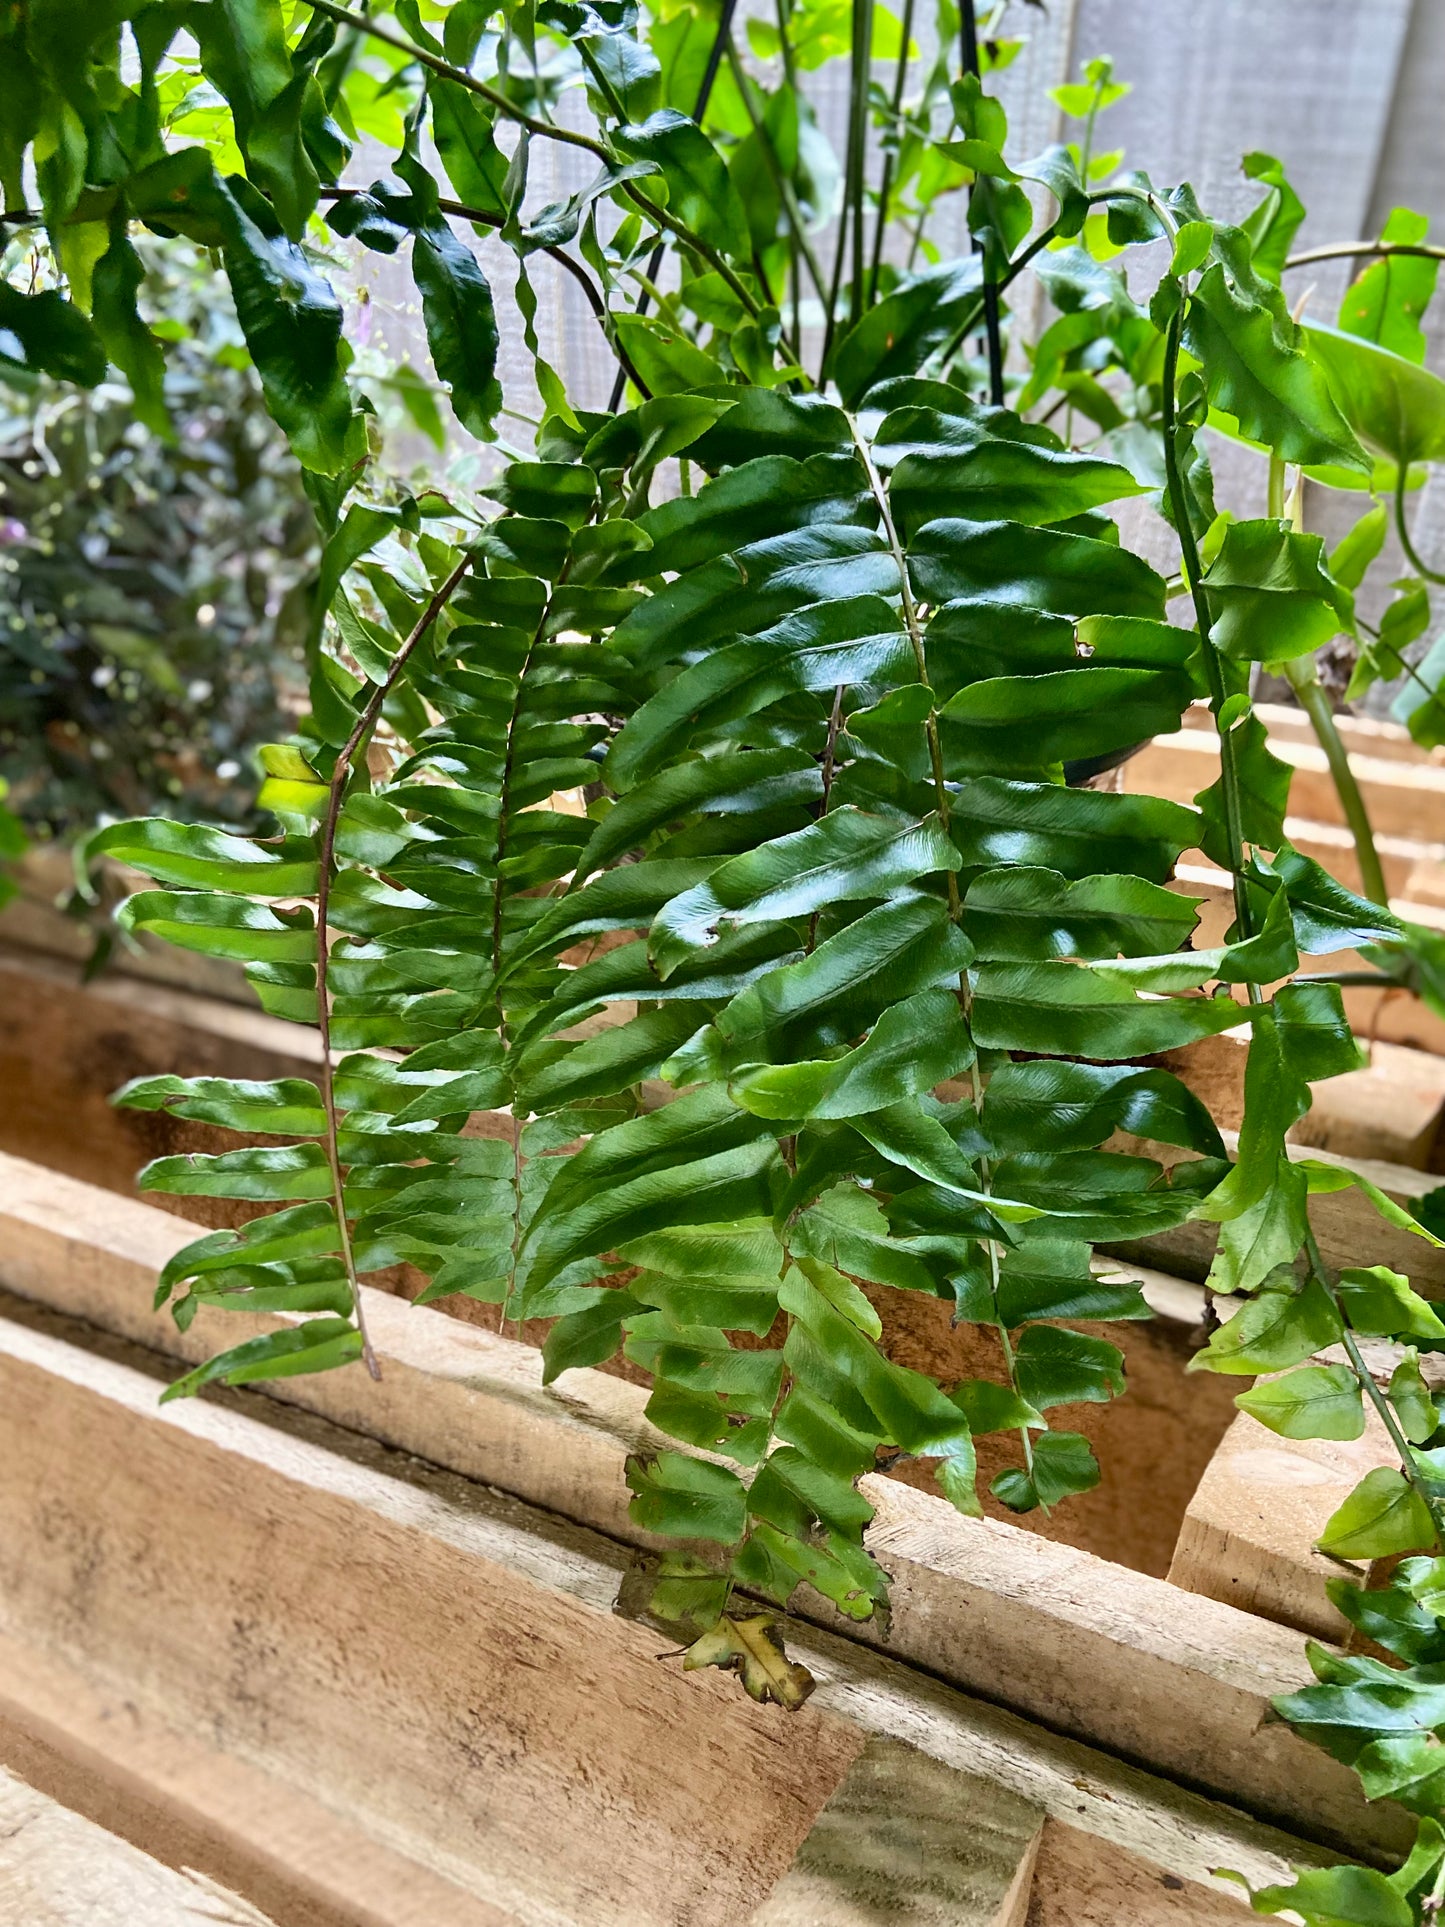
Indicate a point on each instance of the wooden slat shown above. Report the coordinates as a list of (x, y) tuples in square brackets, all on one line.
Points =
[(106, 1751), (60, 1870), (1249, 1533), (1403, 799), (1134, 1664), (1361, 735), (905, 1840), (441, 1667), (65, 1047)]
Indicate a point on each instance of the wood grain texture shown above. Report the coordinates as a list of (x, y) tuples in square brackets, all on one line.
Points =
[(403, 1643), (60, 1870), (975, 1601), (64, 1048), (396, 1649), (78, 1248), (905, 1840), (1249, 1533), (1081, 1881), (1098, 1650), (104, 1751)]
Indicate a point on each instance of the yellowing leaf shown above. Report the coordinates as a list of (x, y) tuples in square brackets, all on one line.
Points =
[(753, 1649)]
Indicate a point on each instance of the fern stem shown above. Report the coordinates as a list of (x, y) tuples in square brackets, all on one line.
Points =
[(325, 857), (993, 334), (955, 902), (1194, 576), (1316, 704), (1304, 680), (1402, 529), (914, 630), (852, 168), (1366, 1379), (1350, 250), (771, 159), (704, 94), (885, 185)]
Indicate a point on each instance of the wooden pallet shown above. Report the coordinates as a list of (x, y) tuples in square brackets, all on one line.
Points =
[(339, 1671), (183, 1672)]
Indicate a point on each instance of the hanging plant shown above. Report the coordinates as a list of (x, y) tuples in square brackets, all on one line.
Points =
[(836, 982)]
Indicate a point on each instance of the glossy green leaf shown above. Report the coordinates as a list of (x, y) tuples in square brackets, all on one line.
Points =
[(899, 334), (1379, 1301), (1050, 569), (588, 1336), (848, 856), (1063, 1466), (1022, 913), (1255, 371), (1271, 595), (686, 1497), (290, 1171), (461, 325), (1318, 1402), (1338, 1897), (289, 1106), (1076, 1010), (1394, 406), (195, 857), (1385, 303), (1284, 1324), (1057, 1367), (1264, 781), (45, 334), (1079, 833), (319, 1345), (1384, 1514), (698, 189)]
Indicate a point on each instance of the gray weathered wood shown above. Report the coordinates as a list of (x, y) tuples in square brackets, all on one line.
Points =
[(60, 1870), (904, 1840), (391, 1655), (973, 1600)]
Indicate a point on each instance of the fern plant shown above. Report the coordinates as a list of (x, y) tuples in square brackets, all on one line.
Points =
[(690, 810)]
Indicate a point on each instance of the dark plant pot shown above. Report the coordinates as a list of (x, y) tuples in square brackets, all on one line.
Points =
[(1077, 775)]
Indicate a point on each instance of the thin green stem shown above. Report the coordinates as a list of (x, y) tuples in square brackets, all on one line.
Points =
[(852, 169), (704, 94), (1385, 1410), (992, 328), (1316, 705), (1086, 145), (1350, 979), (325, 863), (1348, 250), (914, 629), (665, 219), (1214, 673), (773, 162), (1304, 680), (885, 185), (862, 26), (1402, 528)]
